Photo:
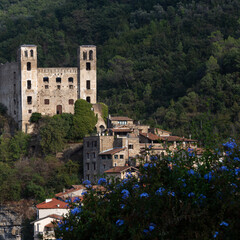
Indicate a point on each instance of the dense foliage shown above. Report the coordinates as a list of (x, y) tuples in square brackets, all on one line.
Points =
[(179, 196), (171, 63)]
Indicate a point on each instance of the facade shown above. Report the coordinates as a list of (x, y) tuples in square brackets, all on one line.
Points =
[(25, 88)]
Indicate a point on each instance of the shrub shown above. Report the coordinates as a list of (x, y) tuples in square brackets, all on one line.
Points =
[(178, 197), (35, 117)]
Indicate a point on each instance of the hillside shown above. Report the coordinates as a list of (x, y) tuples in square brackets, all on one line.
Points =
[(174, 64)]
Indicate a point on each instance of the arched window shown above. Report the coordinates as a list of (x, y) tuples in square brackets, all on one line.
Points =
[(31, 53), (46, 79), (29, 84), (28, 66), (90, 55), (58, 80), (88, 84), (88, 66), (84, 55), (26, 53), (70, 80), (88, 99)]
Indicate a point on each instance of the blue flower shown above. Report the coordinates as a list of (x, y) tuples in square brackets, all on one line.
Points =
[(146, 165), (223, 168), (230, 144), (208, 176), (67, 228), (88, 186), (101, 181), (144, 195), (76, 210), (215, 234), (224, 224), (152, 226), (160, 191), (202, 196), (191, 194), (119, 222), (122, 206), (68, 200), (84, 192), (236, 159), (76, 199), (86, 182), (136, 186), (237, 170), (191, 172), (125, 193), (146, 231), (171, 193)]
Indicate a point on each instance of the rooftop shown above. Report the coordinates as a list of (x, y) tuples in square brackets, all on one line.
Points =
[(112, 151), (119, 169), (119, 118), (52, 203)]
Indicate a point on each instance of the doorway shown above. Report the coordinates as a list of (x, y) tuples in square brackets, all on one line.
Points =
[(59, 109)]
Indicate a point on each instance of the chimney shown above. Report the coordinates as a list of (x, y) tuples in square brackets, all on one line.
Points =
[(48, 200)]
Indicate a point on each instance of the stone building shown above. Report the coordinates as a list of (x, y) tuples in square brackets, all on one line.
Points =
[(25, 88)]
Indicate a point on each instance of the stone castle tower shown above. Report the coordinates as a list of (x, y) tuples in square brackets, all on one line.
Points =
[(25, 88)]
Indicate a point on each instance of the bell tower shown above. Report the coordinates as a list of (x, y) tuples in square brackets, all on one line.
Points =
[(87, 71), (27, 59)]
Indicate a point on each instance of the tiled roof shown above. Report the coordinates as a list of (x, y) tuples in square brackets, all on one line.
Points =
[(69, 191), (154, 137), (118, 169), (122, 130), (119, 118), (54, 203), (111, 151)]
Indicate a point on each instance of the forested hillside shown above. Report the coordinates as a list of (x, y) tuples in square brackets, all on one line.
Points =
[(175, 64)]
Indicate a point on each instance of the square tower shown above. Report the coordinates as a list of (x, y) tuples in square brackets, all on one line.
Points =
[(87, 64)]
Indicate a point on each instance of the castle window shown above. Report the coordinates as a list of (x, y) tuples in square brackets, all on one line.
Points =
[(115, 156), (88, 84), (29, 84), (70, 86), (71, 101), (29, 111), (28, 66), (88, 66), (94, 166), (58, 87), (26, 53), (121, 156), (84, 55), (46, 79), (70, 80), (130, 146), (58, 80), (31, 52), (90, 55), (46, 86), (46, 101), (29, 100), (88, 99)]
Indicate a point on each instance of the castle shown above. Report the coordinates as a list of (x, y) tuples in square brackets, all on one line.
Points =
[(25, 88)]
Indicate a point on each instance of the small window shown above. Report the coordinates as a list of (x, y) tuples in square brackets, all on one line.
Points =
[(88, 66), (46, 79), (90, 55), (29, 111), (46, 86), (58, 80), (84, 55), (94, 166), (58, 87), (121, 156), (46, 101), (104, 166), (70, 80), (71, 101), (88, 177), (103, 157), (29, 84), (70, 86), (130, 146), (14, 75), (87, 144), (28, 66), (88, 84), (94, 155), (116, 156), (87, 155), (14, 112), (87, 166), (95, 144), (31, 53), (26, 53), (88, 99), (29, 100)]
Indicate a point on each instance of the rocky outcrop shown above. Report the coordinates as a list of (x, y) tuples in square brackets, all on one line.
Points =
[(13, 217)]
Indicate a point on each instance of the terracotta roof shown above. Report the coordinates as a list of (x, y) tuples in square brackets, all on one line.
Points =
[(69, 191), (118, 169), (121, 130), (154, 137), (111, 151), (119, 118), (54, 203), (162, 130), (50, 225)]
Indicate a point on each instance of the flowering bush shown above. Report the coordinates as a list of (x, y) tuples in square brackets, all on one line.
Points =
[(178, 197)]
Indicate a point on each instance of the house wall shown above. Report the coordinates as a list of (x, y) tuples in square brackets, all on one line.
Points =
[(46, 212)]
